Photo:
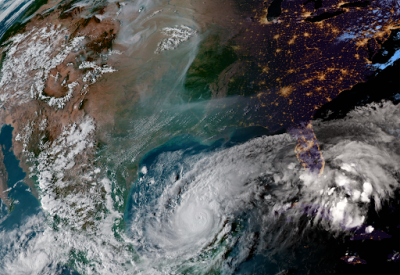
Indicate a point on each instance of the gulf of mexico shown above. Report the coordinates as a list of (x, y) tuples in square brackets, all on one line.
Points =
[(24, 204)]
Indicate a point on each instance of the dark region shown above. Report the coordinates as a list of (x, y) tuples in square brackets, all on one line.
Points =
[(67, 5), (274, 10), (213, 58), (22, 21), (356, 4), (382, 242), (67, 9), (324, 16), (384, 85), (317, 3), (376, 235)]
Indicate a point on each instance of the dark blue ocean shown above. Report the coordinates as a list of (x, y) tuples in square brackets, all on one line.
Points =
[(11, 11)]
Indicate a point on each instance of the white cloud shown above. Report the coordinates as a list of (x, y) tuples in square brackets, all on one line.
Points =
[(369, 229), (361, 152), (177, 35), (29, 59)]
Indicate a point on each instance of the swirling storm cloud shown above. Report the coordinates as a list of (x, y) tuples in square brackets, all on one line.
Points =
[(206, 201)]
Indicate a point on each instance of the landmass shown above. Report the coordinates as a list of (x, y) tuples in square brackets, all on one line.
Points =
[(283, 60), (353, 260), (293, 57)]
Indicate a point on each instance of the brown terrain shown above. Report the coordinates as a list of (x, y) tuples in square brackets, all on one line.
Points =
[(98, 38), (99, 100)]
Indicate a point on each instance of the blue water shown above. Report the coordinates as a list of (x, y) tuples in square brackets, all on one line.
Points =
[(25, 203), (193, 145), (11, 11)]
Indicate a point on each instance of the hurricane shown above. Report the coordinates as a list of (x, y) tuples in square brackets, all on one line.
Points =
[(222, 204)]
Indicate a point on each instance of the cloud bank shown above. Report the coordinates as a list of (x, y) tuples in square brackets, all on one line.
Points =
[(261, 186)]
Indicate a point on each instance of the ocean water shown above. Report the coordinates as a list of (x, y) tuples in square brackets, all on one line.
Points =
[(24, 204), (10, 11)]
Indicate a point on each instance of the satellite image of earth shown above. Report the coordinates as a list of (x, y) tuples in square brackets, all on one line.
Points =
[(164, 137)]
